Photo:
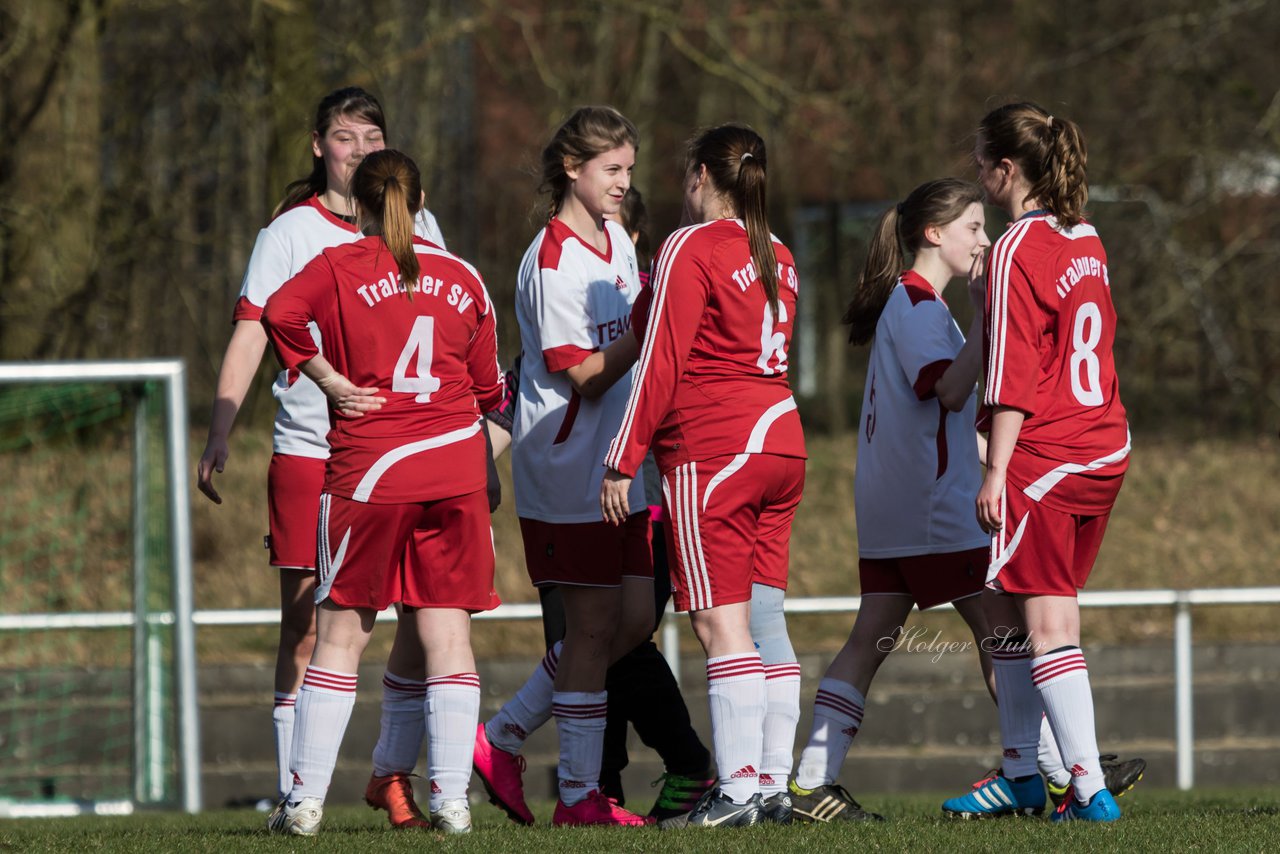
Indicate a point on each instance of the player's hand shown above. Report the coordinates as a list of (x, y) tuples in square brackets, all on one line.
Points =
[(212, 460), (613, 497), (978, 281), (990, 511), (348, 399)]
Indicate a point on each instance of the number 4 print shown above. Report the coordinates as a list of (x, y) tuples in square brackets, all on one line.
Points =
[(422, 342)]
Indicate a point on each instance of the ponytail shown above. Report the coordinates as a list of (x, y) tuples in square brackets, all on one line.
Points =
[(880, 273), (1050, 151), (388, 189), (737, 163), (749, 193), (898, 231)]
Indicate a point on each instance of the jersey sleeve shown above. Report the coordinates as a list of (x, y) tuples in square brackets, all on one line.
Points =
[(268, 269), (427, 228), (1012, 337), (309, 296), (682, 288), (488, 383), (564, 321), (923, 346)]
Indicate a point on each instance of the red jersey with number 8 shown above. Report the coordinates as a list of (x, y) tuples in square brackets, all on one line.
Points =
[(433, 357), (1050, 325), (712, 376)]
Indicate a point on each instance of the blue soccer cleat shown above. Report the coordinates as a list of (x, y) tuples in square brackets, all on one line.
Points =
[(998, 796), (1101, 807)]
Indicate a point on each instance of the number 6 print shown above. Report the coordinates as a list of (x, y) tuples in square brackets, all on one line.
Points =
[(421, 340), (1089, 393)]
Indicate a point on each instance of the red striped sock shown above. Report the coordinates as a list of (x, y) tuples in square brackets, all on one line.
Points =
[(580, 720), (736, 695), (1062, 678), (837, 717)]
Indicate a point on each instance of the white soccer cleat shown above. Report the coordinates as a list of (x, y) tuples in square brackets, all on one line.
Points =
[(301, 819), (454, 816)]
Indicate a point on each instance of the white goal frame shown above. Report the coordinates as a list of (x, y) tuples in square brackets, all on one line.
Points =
[(171, 373)]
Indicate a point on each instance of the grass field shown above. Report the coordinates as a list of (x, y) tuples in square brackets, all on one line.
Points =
[(1154, 820)]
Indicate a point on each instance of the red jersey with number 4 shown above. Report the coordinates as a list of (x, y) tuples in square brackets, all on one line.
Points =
[(712, 375), (1050, 325), (433, 357)]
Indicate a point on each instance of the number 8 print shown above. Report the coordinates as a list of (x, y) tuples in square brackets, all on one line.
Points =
[(1088, 393)]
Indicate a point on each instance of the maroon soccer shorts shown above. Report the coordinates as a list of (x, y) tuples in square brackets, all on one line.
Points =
[(587, 554), (1042, 551), (432, 554), (729, 526), (928, 579), (294, 485)]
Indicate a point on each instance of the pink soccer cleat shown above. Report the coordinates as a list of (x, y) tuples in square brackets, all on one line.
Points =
[(596, 809), (500, 772)]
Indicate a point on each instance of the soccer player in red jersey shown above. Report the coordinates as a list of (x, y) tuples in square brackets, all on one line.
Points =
[(918, 463), (577, 282), (313, 215), (410, 362), (712, 398), (1057, 454)]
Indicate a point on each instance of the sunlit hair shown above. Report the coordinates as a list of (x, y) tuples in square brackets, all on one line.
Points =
[(898, 231), (388, 190), (351, 102), (587, 133), (736, 164), (635, 219), (1049, 150)]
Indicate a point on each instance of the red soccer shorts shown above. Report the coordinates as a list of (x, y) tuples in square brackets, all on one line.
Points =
[(294, 485), (432, 554), (729, 526), (1042, 551), (587, 554), (928, 579)]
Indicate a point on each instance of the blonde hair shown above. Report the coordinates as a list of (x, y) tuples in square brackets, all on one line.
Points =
[(1049, 150)]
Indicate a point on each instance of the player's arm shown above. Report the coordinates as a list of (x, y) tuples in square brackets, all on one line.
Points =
[(597, 373), (955, 386), (1006, 424), (239, 367), (487, 381)]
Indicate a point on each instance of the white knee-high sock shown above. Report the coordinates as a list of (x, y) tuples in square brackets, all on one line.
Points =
[(781, 715), (1018, 706), (1062, 679), (837, 717), (1049, 759), (580, 721), (324, 709), (452, 711), (403, 725), (736, 695), (529, 709), (282, 724)]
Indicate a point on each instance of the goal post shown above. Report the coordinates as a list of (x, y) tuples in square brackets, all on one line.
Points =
[(136, 698)]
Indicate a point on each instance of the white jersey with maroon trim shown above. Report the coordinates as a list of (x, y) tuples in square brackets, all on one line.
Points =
[(433, 357), (712, 375), (284, 247), (1050, 326), (918, 471), (571, 301)]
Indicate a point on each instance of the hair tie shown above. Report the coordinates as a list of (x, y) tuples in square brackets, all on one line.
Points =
[(898, 208), (745, 155), (1050, 120)]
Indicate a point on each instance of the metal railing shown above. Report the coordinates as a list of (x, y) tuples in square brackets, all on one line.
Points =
[(1180, 601)]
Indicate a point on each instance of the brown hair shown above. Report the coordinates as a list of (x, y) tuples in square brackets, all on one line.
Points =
[(587, 133), (635, 219), (388, 189), (351, 101), (1049, 150), (736, 162), (902, 228)]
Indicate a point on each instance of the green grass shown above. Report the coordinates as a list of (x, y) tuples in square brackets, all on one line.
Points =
[(1218, 820)]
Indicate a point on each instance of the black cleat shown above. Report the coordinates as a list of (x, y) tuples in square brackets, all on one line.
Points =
[(826, 803), (777, 808), (715, 809)]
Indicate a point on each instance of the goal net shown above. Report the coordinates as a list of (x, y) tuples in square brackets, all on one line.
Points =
[(97, 669)]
